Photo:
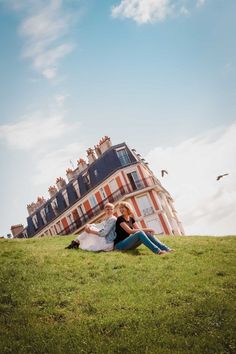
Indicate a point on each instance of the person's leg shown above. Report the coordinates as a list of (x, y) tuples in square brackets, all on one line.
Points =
[(135, 240), (130, 243), (158, 243)]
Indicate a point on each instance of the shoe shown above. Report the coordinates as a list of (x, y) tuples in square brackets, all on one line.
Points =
[(161, 253), (73, 244)]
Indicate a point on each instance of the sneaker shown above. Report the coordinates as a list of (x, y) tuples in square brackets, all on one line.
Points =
[(73, 244), (161, 253)]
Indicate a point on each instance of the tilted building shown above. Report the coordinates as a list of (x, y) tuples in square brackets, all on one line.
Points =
[(112, 174)]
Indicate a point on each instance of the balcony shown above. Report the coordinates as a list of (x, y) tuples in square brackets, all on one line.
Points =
[(148, 211), (114, 197)]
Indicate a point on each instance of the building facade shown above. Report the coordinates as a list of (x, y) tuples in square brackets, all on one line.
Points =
[(112, 174)]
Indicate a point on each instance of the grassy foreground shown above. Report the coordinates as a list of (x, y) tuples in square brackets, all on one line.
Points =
[(54, 300)]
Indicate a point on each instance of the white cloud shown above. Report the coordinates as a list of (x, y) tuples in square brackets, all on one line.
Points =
[(51, 141), (206, 206), (200, 3), (44, 28), (143, 11), (38, 128), (149, 11), (60, 99), (184, 11), (33, 130), (53, 164)]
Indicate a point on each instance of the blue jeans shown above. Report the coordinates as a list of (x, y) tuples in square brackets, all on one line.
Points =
[(140, 237)]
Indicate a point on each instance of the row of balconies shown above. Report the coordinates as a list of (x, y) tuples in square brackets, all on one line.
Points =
[(113, 198)]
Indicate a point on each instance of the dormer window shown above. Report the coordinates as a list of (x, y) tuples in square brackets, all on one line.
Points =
[(66, 198), (54, 206), (35, 221), (123, 156), (86, 180), (43, 216), (76, 187)]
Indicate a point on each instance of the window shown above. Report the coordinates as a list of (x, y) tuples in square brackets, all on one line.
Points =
[(145, 205), (25, 234), (43, 216), (35, 222), (155, 225), (66, 198), (54, 207), (59, 228), (76, 187), (123, 156), (70, 219), (135, 182), (86, 180), (93, 201), (80, 210), (113, 185), (102, 192)]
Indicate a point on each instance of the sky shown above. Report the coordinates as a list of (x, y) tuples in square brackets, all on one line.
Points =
[(157, 74)]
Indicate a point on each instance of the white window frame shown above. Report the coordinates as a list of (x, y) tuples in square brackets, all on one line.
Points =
[(102, 193), (66, 197), (124, 159), (35, 221), (76, 187), (54, 205), (113, 185), (146, 211), (43, 216), (93, 201)]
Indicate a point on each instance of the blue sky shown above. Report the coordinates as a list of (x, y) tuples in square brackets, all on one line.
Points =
[(160, 75)]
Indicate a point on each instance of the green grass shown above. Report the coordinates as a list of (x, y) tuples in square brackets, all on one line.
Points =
[(54, 300)]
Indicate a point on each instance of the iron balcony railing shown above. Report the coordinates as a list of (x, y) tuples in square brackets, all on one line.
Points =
[(148, 211), (114, 197)]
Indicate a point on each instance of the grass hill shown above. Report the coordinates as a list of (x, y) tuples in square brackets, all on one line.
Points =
[(54, 300)]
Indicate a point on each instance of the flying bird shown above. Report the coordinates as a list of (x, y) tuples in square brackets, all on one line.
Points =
[(220, 176), (163, 173)]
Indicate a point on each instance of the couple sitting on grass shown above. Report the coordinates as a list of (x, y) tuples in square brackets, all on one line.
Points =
[(122, 233)]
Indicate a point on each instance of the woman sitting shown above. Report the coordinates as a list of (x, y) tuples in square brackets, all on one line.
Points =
[(98, 237), (130, 236)]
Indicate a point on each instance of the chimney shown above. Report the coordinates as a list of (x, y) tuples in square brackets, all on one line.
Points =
[(81, 165), (60, 182), (16, 229), (52, 190), (31, 208), (98, 150), (105, 144), (40, 201), (70, 174), (91, 156)]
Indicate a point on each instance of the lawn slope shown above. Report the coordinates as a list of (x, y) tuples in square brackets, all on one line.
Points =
[(54, 300)]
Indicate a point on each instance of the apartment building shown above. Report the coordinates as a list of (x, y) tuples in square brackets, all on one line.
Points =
[(112, 173)]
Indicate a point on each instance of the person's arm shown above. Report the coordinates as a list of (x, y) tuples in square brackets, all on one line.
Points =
[(128, 229), (87, 228), (108, 226), (92, 231), (151, 231)]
